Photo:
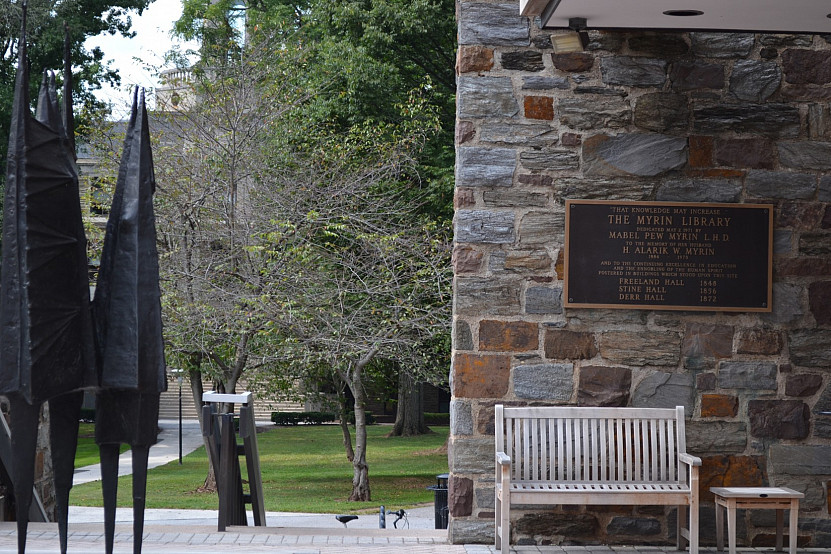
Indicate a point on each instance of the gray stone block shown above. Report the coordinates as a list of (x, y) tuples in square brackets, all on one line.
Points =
[(588, 113), (486, 97), (470, 531), (481, 226), (549, 160), (544, 300), (776, 120), (700, 190), (665, 390), (533, 135), (463, 339), (461, 418), (787, 304), (485, 167), (493, 25), (805, 155), (810, 348), (551, 382), (640, 155), (825, 189), (781, 185), (722, 45), (713, 438), (471, 455), (754, 375), (480, 296), (542, 227), (633, 526), (633, 71), (662, 112), (755, 81), (801, 459)]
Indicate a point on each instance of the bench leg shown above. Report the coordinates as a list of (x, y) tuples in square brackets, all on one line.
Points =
[(719, 527), (681, 519), (497, 521)]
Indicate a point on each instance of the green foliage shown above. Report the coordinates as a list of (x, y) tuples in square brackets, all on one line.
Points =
[(431, 418), (308, 418), (303, 470)]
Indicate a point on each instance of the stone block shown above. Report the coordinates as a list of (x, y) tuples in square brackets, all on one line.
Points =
[(779, 419), (819, 121), (662, 112), (815, 244), (710, 438), (825, 189), (539, 107), (486, 296), (523, 261), (465, 132), (819, 300), (750, 153), (588, 113), (700, 190), (665, 390), (575, 62), (467, 259), (719, 405), (544, 300), (508, 336), (760, 341), (460, 496), (641, 349), (485, 167), (604, 386), (514, 198), (633, 71), (561, 344), (493, 25), (541, 227), (485, 97), (805, 155), (783, 242), (803, 384), (755, 81), (522, 60), (701, 151), (471, 455), (469, 531), (461, 417), (484, 227), (633, 526), (549, 160), (731, 471), (705, 381), (514, 134), (781, 185), (694, 75), (722, 45), (606, 188), (703, 340), (807, 66), (787, 304), (474, 58), (634, 155), (802, 267), (794, 459), (774, 120), (750, 375), (536, 82), (548, 523), (480, 376), (659, 45), (463, 338), (810, 348), (549, 382)]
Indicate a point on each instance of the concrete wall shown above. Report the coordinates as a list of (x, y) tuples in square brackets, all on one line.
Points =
[(698, 117)]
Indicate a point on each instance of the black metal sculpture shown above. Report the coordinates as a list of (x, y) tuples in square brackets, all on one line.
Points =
[(46, 345), (128, 326)]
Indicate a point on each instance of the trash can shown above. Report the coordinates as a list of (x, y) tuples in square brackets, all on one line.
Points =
[(440, 492)]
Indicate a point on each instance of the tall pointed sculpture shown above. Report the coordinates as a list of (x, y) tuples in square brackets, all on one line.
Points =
[(128, 326), (46, 347)]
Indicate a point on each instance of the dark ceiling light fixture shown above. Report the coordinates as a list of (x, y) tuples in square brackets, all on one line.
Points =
[(574, 40), (683, 13)]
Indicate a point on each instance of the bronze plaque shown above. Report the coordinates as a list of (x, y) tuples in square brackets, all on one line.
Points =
[(665, 256)]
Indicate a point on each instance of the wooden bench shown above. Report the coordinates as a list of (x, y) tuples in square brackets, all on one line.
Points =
[(590, 456)]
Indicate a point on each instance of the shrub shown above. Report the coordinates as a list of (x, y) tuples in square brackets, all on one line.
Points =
[(432, 418), (308, 418), (88, 415)]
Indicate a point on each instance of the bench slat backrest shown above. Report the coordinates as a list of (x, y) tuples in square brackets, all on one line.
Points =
[(592, 445)]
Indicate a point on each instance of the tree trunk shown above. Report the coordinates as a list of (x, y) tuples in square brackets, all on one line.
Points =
[(196, 390), (409, 417), (360, 469), (344, 419)]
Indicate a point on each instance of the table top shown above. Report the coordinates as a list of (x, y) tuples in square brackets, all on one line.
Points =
[(756, 492)]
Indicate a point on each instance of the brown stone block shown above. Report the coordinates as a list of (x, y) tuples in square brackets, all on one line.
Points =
[(565, 345), (760, 341), (701, 151), (705, 381), (535, 180), (530, 260), (577, 62), (604, 386), (571, 139), (731, 471), (799, 215), (716, 173), (802, 66), (481, 376), (486, 515), (460, 496), (828, 495), (751, 153), (539, 107), (467, 260), (474, 58), (508, 336), (819, 298), (802, 267), (560, 265), (804, 384), (719, 405), (464, 198), (465, 131), (826, 219), (779, 419), (707, 341)]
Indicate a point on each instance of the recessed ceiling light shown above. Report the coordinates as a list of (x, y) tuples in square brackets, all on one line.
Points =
[(686, 13)]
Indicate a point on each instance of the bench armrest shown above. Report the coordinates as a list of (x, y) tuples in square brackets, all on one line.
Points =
[(503, 459), (689, 459)]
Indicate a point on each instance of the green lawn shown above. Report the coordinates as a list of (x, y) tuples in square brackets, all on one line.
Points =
[(304, 469), (87, 451)]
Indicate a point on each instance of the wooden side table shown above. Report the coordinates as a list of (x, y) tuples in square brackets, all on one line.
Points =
[(771, 498)]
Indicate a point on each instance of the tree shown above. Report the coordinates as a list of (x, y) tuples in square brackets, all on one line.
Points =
[(84, 18)]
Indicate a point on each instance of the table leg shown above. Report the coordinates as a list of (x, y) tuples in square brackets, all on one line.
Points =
[(780, 517), (719, 527), (792, 529), (731, 526)]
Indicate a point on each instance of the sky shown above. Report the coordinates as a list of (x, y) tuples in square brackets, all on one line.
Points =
[(151, 42)]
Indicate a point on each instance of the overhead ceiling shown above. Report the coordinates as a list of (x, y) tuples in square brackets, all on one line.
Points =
[(782, 16)]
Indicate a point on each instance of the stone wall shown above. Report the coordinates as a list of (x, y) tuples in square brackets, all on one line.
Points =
[(703, 117)]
